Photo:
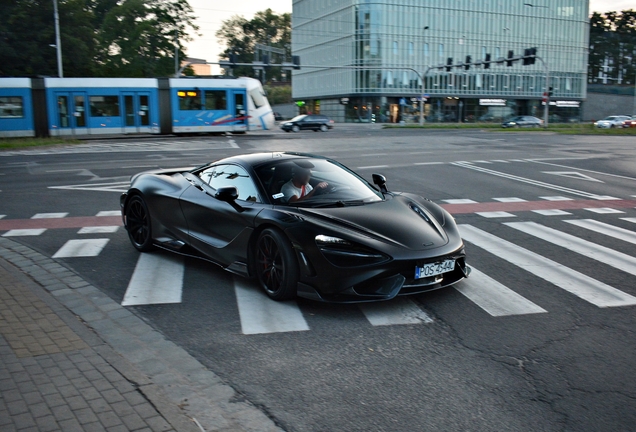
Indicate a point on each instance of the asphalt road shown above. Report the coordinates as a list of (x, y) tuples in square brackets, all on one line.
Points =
[(540, 338)]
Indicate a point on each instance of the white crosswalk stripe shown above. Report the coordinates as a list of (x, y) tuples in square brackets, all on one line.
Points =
[(24, 232), (582, 286), (81, 248), (494, 297), (157, 279), (599, 253), (259, 314), (606, 229), (394, 312)]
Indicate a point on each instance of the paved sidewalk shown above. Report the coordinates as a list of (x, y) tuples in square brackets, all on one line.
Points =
[(72, 359)]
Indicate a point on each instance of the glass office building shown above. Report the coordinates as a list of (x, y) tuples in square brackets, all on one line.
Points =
[(369, 60)]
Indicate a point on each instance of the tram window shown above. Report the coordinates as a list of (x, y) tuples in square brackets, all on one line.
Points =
[(11, 107), (189, 100), (215, 100), (104, 106), (258, 97)]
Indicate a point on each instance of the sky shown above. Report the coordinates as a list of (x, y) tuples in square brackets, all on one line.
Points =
[(211, 14)]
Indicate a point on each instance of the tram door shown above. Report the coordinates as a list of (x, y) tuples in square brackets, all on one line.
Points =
[(71, 113), (136, 112), (240, 108)]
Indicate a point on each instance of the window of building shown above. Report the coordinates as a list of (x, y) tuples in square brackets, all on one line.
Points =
[(478, 81), (441, 51), (568, 84), (395, 47), (411, 52), (426, 53), (104, 106), (215, 100), (497, 53), (189, 100), (11, 107), (483, 52)]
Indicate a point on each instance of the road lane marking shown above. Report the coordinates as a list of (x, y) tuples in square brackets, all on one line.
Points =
[(157, 279), (582, 286), (606, 229), (582, 169), (551, 212), (49, 215), (629, 219), (495, 298), (259, 314), (556, 198), (119, 187), (1, 216), (460, 201), (373, 167), (81, 248), (531, 181), (108, 213), (591, 250), (24, 232), (495, 214), (510, 199), (394, 312), (604, 210), (574, 175), (428, 163), (99, 230)]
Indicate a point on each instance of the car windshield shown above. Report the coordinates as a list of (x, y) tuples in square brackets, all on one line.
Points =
[(610, 118), (315, 183), (298, 118)]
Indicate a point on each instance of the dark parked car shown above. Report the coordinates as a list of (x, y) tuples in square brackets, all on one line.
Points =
[(522, 121), (315, 122), (300, 225)]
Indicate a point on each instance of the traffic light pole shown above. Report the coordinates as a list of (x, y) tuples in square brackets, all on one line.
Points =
[(546, 110)]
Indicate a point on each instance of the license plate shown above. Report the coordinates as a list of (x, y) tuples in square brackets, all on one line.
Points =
[(434, 269)]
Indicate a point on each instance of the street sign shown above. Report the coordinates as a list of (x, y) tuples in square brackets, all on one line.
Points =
[(344, 100), (403, 102)]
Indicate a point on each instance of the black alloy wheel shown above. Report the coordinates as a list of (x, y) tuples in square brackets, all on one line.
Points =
[(138, 224), (276, 265)]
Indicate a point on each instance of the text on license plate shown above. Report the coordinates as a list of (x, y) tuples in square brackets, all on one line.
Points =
[(434, 269)]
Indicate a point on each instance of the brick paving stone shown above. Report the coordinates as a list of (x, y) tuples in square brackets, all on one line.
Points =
[(86, 415), (39, 410), (71, 425), (93, 427), (23, 421), (47, 423), (76, 402), (133, 421), (62, 412), (109, 419)]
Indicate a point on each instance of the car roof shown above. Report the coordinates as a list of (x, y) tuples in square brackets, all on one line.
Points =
[(253, 159)]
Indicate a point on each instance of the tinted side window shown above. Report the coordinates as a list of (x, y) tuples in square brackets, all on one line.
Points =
[(231, 175)]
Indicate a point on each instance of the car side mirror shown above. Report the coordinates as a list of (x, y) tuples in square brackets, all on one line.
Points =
[(380, 181), (228, 194)]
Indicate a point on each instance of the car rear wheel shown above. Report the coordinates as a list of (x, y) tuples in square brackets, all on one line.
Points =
[(295, 128), (138, 224), (324, 128), (276, 265)]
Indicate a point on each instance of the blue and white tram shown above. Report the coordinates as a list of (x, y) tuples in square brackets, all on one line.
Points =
[(16, 108), (90, 106), (219, 105)]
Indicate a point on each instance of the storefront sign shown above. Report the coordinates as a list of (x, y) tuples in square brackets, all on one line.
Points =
[(492, 102), (568, 104)]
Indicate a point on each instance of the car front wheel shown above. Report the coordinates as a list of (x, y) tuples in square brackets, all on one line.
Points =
[(295, 128), (324, 128), (138, 224), (276, 265)]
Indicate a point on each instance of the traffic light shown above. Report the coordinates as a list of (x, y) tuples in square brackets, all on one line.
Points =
[(449, 64), (487, 62), (233, 58), (265, 59), (296, 62), (510, 56), (467, 63), (550, 92), (529, 56)]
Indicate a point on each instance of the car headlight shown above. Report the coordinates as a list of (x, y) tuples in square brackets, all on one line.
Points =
[(345, 253)]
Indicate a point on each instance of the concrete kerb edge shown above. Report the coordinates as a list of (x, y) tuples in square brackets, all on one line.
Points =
[(171, 406)]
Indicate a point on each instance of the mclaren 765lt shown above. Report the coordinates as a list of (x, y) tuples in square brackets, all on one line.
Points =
[(300, 225)]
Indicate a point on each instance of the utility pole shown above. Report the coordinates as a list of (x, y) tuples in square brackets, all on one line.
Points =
[(58, 42), (176, 54)]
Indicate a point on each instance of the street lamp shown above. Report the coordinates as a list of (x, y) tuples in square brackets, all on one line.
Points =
[(58, 42)]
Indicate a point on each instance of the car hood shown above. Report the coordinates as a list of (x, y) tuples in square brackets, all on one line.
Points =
[(399, 220)]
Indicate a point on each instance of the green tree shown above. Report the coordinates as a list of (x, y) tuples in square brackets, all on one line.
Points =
[(240, 36), (27, 30), (137, 38), (613, 46)]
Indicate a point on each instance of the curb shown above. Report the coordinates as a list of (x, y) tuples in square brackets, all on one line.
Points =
[(187, 394)]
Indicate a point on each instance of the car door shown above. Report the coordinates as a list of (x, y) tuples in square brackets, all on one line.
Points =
[(307, 122), (217, 228)]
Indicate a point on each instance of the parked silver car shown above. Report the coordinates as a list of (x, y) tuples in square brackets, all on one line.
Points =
[(612, 122)]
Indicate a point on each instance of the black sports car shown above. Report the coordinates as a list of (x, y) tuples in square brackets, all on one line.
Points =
[(301, 225)]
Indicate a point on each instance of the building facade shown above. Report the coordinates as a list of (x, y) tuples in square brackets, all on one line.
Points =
[(370, 60)]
